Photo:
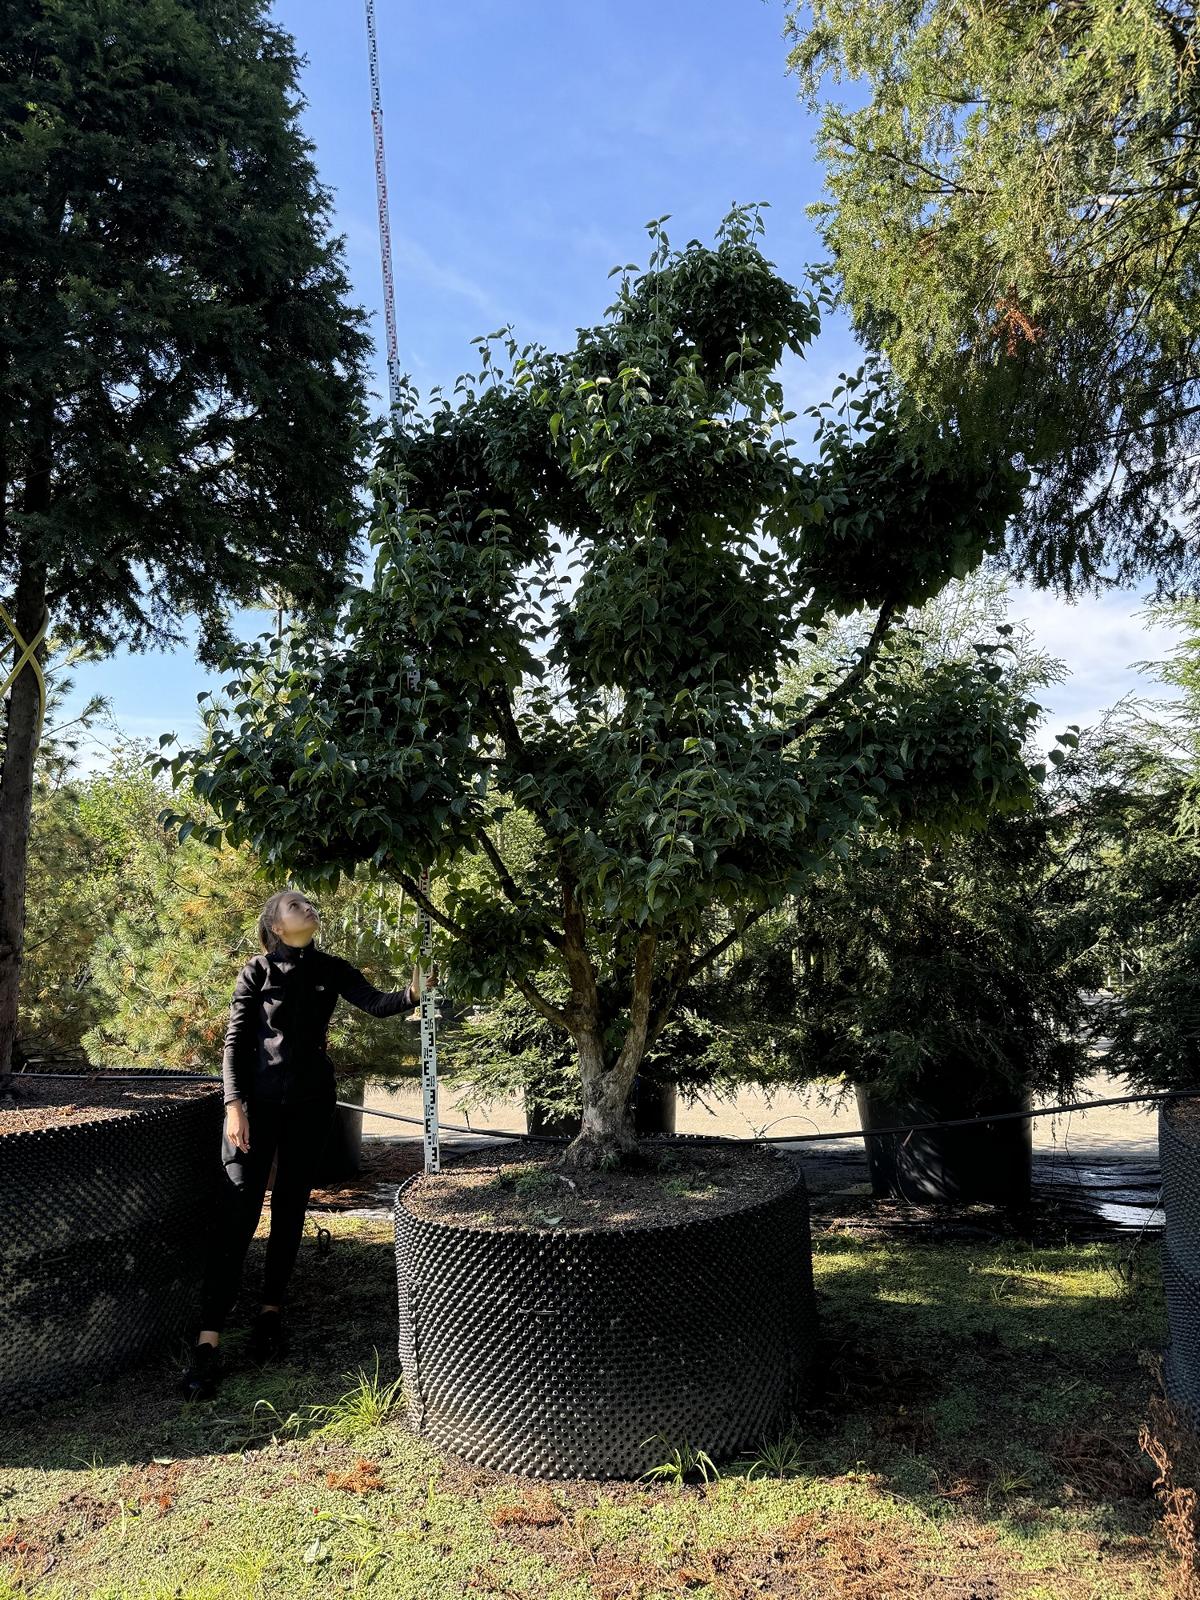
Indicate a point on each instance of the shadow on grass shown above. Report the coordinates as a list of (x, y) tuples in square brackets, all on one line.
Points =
[(1001, 1382), (1005, 1381), (343, 1313)]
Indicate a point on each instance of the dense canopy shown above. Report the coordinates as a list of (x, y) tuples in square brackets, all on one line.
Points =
[(597, 564)]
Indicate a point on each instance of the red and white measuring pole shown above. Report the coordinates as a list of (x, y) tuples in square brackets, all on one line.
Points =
[(428, 1001)]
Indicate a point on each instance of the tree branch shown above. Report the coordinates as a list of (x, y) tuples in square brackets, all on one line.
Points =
[(507, 882), (410, 886), (509, 885), (637, 1037), (670, 994), (822, 708), (699, 963), (541, 1005), (518, 754), (585, 996)]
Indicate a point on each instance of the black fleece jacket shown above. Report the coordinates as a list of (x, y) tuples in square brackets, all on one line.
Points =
[(276, 1042)]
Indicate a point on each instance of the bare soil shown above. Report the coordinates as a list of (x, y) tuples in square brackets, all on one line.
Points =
[(383, 1162), (42, 1104), (528, 1192)]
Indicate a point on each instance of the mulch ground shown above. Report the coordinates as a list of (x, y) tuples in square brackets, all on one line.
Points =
[(526, 1190)]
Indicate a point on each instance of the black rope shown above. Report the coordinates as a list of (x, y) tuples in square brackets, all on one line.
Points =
[(807, 1138), (138, 1076)]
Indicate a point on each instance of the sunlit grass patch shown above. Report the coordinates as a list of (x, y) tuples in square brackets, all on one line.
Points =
[(960, 1436)]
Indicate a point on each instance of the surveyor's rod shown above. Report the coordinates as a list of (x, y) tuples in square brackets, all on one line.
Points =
[(385, 229), (427, 1000)]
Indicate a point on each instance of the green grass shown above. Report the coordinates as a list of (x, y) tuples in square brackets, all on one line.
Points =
[(976, 1432)]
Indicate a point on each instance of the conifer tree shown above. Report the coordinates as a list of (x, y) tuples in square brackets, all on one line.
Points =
[(181, 378)]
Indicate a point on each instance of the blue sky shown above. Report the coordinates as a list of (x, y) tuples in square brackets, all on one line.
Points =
[(528, 144)]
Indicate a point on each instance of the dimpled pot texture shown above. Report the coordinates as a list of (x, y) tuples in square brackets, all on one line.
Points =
[(595, 1352), (1179, 1157), (101, 1227)]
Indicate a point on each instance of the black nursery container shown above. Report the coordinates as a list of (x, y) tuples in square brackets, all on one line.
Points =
[(101, 1228), (988, 1165), (342, 1156), (562, 1354), (1179, 1159)]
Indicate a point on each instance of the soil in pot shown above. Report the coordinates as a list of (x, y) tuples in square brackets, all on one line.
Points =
[(528, 1192), (41, 1103)]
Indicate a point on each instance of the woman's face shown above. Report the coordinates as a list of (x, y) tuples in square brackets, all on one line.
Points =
[(296, 921)]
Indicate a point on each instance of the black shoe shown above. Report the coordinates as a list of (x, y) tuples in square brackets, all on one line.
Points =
[(268, 1337), (203, 1374)]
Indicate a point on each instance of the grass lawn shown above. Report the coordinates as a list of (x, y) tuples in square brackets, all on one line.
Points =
[(976, 1439)]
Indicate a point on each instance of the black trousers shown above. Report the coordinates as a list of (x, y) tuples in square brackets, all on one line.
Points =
[(295, 1134)]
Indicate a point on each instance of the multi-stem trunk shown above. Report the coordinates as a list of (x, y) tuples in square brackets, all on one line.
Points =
[(606, 1135), (16, 809)]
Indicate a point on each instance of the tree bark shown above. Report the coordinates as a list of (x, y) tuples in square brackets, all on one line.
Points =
[(16, 808), (606, 1135)]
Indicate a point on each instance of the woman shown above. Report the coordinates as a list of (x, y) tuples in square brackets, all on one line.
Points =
[(279, 1105)]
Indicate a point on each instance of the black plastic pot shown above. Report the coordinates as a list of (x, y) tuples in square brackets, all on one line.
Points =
[(102, 1227), (1179, 1158), (653, 1112), (560, 1354), (988, 1165), (342, 1156)]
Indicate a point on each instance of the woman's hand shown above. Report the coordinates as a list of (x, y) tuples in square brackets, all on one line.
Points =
[(415, 986), (237, 1125)]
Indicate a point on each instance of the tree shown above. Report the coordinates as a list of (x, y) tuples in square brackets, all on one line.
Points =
[(1142, 799), (1012, 219), (163, 963), (180, 378), (135, 937), (55, 1002), (599, 562), (959, 960), (961, 963)]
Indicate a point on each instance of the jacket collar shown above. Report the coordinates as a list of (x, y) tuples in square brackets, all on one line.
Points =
[(290, 953)]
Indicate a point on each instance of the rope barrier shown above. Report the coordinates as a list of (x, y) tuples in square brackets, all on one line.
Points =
[(27, 653), (136, 1076), (813, 1138)]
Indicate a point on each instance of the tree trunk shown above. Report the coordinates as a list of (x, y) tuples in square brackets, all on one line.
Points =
[(606, 1134), (16, 808), (606, 1137)]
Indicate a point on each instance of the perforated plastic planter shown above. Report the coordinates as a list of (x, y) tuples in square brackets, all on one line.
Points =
[(1179, 1157), (100, 1231), (557, 1354), (342, 1155)]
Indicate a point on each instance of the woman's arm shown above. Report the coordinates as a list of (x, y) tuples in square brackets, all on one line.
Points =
[(241, 1036), (361, 992)]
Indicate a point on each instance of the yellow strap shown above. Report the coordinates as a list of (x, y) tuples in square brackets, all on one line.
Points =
[(27, 653)]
